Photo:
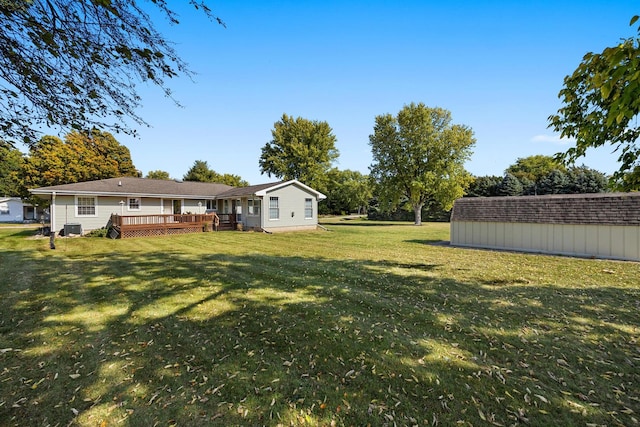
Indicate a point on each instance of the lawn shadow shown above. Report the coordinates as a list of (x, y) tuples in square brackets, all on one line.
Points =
[(434, 242), (258, 339), (367, 223)]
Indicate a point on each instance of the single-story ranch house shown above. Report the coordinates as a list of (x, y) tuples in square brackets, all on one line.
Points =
[(14, 209), (271, 207)]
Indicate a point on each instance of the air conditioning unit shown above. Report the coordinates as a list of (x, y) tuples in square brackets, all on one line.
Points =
[(72, 229)]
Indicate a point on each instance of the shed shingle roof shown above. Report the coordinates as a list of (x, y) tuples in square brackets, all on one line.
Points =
[(593, 208)]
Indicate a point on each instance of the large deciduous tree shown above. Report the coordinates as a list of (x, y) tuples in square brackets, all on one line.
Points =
[(418, 157), (300, 149), (601, 103), (80, 157), (11, 160), (349, 191), (535, 167), (75, 63), (158, 174)]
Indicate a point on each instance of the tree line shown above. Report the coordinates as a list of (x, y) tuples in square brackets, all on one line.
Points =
[(80, 157), (417, 168), (540, 175)]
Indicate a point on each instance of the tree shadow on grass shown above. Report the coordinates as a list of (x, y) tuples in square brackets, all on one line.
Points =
[(367, 223), (432, 242), (265, 340)]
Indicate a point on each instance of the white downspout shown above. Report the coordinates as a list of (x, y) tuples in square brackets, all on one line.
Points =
[(52, 212)]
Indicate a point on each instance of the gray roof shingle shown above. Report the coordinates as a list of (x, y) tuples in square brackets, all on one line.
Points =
[(592, 208), (138, 186), (248, 191)]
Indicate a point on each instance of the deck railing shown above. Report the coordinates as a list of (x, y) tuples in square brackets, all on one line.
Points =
[(227, 221), (155, 225)]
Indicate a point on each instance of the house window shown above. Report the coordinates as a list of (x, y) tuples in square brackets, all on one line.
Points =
[(86, 206), (177, 207), (238, 205), (225, 207), (274, 210), (211, 204), (134, 204), (253, 207), (308, 208), (4, 209)]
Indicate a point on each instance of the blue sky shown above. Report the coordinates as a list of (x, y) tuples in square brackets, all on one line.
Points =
[(497, 66)]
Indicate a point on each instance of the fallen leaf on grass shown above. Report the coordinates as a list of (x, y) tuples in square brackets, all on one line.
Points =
[(544, 399), (482, 416)]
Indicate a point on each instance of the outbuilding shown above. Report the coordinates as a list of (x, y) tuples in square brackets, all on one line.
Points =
[(598, 225)]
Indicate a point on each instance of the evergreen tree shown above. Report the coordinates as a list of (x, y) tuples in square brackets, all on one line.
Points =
[(201, 172), (509, 186), (586, 180), (483, 186), (555, 182)]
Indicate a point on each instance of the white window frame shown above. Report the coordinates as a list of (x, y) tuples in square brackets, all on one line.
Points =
[(274, 208), (129, 208), (308, 207), (5, 209), (254, 207), (78, 206), (238, 211)]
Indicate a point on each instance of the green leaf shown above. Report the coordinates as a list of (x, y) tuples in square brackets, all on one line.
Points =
[(605, 90)]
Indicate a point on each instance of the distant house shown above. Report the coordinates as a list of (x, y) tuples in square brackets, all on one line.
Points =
[(13, 209), (279, 206)]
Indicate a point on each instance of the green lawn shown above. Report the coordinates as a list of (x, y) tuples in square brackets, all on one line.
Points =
[(365, 324)]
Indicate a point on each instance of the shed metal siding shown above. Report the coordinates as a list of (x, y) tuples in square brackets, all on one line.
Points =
[(603, 225)]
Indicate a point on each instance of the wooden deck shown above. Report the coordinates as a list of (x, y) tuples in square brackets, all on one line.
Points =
[(162, 225)]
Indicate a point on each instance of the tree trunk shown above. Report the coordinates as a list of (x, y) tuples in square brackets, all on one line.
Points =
[(417, 211)]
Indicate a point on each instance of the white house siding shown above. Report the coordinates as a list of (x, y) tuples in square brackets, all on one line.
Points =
[(191, 206), (291, 201), (148, 206), (251, 221), (11, 210), (66, 213), (599, 226)]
